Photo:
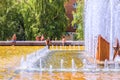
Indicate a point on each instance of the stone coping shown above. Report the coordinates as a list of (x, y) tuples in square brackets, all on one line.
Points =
[(40, 43)]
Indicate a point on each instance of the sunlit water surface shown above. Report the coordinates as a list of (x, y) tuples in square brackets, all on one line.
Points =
[(11, 55)]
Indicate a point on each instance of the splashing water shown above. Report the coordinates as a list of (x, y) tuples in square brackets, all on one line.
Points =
[(102, 18), (73, 64), (106, 64), (61, 64)]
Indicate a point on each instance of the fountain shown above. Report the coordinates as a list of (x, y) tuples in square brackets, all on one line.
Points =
[(61, 64), (40, 65), (32, 60), (73, 65), (50, 71), (105, 21), (106, 68), (45, 65), (107, 26), (93, 22), (117, 65), (99, 19), (40, 69), (85, 63), (95, 64), (23, 63)]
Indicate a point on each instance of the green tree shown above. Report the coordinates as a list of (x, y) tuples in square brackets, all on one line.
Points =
[(53, 18), (29, 18), (4, 27), (78, 19), (10, 20)]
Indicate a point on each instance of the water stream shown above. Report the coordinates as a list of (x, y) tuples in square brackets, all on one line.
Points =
[(101, 17)]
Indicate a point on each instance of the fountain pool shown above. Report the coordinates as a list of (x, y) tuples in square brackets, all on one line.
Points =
[(66, 65)]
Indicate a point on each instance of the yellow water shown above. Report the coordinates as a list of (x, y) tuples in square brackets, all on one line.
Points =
[(10, 56), (53, 76), (55, 57), (67, 47)]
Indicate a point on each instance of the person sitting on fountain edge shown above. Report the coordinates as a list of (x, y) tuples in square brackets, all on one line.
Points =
[(63, 41), (48, 42), (37, 38), (42, 38), (14, 39)]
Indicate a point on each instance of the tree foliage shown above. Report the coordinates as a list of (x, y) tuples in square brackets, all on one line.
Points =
[(29, 18), (78, 19)]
